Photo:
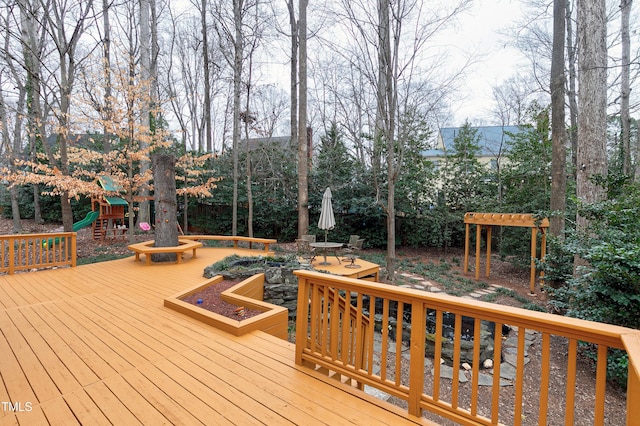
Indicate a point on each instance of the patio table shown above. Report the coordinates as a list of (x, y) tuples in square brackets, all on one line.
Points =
[(327, 246)]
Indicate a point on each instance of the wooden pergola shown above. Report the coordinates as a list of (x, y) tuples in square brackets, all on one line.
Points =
[(505, 219)]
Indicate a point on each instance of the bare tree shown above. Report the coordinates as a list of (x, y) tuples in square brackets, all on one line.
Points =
[(558, 126), (66, 40), (293, 74), (238, 52), (303, 154), (572, 94), (207, 75), (625, 89), (12, 145), (388, 45), (147, 73), (106, 53)]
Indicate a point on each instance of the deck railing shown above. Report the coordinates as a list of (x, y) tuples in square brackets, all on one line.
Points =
[(36, 251), (336, 338)]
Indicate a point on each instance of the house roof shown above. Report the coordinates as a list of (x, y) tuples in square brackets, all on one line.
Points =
[(492, 140)]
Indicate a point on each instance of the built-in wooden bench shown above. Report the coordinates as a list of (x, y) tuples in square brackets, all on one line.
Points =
[(235, 239), (147, 248)]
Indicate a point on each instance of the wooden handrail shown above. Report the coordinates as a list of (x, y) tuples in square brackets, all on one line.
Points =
[(317, 328), (36, 251), (264, 241)]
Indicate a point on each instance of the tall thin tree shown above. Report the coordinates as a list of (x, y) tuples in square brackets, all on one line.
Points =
[(303, 143), (558, 126), (625, 89)]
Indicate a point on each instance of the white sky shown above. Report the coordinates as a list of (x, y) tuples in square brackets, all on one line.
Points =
[(479, 30)]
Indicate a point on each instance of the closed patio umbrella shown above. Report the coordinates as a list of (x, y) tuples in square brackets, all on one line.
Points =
[(327, 220)]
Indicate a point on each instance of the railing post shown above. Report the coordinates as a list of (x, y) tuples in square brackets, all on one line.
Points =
[(416, 363), (302, 315), (632, 345), (74, 250), (12, 254)]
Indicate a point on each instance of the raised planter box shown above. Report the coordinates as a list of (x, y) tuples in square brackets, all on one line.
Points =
[(248, 293)]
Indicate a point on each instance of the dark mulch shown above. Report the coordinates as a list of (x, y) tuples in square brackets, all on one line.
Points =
[(209, 299)]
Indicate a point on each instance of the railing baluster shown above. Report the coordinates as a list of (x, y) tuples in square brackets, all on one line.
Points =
[(455, 380), (497, 358), (475, 368), (601, 384), (544, 379), (327, 310), (437, 352), (399, 330), (334, 322), (359, 331), (345, 329), (385, 339), (571, 382), (360, 342), (372, 312), (519, 376)]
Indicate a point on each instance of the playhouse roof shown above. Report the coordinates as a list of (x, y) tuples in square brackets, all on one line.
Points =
[(108, 184), (115, 201)]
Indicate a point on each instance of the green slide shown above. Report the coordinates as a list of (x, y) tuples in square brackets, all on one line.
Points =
[(88, 220)]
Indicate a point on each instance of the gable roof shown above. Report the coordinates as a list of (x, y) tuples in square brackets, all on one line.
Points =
[(492, 140), (108, 184)]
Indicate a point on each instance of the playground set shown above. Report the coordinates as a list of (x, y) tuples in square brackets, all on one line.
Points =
[(107, 215)]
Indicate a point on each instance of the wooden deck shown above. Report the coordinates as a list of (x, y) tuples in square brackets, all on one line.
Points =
[(94, 345)]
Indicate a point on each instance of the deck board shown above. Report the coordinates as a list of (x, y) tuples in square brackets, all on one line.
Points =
[(85, 410), (58, 372), (95, 345), (58, 412)]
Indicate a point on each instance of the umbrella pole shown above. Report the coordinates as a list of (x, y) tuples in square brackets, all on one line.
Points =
[(325, 235)]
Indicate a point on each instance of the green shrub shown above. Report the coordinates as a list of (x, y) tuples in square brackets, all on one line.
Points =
[(607, 287)]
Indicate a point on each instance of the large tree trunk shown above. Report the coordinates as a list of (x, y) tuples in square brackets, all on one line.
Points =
[(592, 98), (165, 203), (303, 153), (558, 130)]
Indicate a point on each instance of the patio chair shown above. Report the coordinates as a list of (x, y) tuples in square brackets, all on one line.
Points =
[(310, 238), (304, 250), (353, 239), (351, 253)]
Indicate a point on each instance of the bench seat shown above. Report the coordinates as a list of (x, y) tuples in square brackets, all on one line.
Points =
[(147, 248), (235, 239)]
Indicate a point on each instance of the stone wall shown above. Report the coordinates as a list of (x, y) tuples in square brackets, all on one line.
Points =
[(280, 283)]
